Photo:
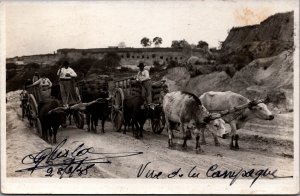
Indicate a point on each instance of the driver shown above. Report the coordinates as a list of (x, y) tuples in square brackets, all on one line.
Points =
[(144, 79), (67, 88)]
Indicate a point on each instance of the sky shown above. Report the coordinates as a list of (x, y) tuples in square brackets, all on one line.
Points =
[(43, 27)]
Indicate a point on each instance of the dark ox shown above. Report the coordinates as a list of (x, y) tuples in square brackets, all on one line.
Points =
[(218, 101), (136, 114), (186, 109), (55, 92), (98, 110), (51, 117)]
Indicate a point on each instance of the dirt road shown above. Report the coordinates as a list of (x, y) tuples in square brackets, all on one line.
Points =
[(263, 145)]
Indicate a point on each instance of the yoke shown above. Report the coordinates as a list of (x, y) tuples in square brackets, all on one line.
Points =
[(131, 87)]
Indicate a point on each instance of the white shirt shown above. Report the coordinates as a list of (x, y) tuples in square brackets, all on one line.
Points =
[(43, 82), (63, 71), (143, 75)]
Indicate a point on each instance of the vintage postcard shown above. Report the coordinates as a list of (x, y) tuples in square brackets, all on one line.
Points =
[(150, 97)]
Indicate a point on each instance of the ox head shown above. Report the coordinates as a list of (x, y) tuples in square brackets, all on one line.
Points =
[(214, 123), (260, 110), (217, 127), (59, 115)]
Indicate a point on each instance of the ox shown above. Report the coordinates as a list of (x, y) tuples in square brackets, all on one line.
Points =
[(218, 101), (136, 114), (96, 110), (186, 108), (51, 116)]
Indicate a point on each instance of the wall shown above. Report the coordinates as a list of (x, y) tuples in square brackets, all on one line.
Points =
[(133, 56), (129, 56), (45, 59)]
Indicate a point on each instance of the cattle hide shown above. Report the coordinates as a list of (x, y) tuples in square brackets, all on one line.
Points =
[(51, 121)]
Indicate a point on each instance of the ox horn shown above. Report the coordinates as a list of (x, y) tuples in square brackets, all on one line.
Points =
[(57, 109), (256, 102), (265, 99), (212, 116), (102, 99)]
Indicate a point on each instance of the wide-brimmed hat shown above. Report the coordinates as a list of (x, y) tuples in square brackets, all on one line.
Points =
[(141, 65)]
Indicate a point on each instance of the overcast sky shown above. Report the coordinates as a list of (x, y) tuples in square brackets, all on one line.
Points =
[(44, 27)]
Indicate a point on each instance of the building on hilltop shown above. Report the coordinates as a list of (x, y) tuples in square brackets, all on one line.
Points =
[(132, 56), (129, 56)]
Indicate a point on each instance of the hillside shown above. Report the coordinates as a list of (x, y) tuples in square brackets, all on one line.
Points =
[(259, 63), (269, 38), (277, 29)]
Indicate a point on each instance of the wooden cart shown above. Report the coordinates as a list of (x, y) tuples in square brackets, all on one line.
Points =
[(124, 88), (34, 99)]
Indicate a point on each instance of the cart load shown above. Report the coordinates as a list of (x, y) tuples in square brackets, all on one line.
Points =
[(132, 87), (36, 100), (92, 89), (129, 87)]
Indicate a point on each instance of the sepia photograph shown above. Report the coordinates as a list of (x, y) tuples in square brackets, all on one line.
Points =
[(150, 97)]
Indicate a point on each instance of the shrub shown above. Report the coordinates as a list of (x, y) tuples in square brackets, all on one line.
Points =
[(230, 70), (125, 69), (83, 65), (238, 67), (32, 66), (11, 66), (172, 64), (156, 64), (10, 74)]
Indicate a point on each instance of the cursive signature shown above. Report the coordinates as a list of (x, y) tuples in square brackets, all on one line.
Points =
[(212, 172), (67, 162)]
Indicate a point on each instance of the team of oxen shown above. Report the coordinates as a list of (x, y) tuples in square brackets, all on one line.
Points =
[(52, 114), (191, 113)]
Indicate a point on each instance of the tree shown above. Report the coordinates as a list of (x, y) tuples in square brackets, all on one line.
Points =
[(187, 49), (180, 44), (110, 61), (122, 45), (220, 45), (202, 44), (83, 65), (146, 42), (193, 46), (175, 44), (157, 41)]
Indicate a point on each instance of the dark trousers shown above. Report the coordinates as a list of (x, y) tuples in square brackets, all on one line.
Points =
[(147, 90)]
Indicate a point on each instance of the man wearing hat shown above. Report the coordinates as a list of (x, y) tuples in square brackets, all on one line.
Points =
[(144, 79), (67, 87), (44, 84)]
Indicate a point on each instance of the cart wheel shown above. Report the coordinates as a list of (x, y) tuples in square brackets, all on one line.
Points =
[(158, 124), (117, 109), (38, 127), (28, 115), (33, 107), (79, 119)]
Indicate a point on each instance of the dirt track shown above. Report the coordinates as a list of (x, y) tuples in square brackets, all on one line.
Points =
[(262, 147)]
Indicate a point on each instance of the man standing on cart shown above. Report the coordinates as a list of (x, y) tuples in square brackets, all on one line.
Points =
[(67, 86), (144, 79)]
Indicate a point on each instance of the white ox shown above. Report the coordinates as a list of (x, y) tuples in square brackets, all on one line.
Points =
[(186, 108), (218, 101)]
